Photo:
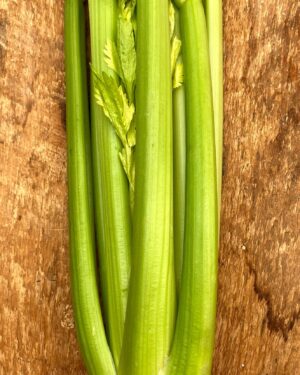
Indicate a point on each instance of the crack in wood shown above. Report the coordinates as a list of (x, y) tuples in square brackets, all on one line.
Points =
[(29, 106), (274, 322)]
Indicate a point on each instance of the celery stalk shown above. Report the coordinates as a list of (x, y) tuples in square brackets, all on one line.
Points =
[(179, 155), (192, 349), (151, 301), (113, 221), (86, 304), (213, 10)]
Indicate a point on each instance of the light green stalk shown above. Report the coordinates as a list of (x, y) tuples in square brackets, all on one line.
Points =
[(151, 301), (213, 10), (113, 222), (115, 94), (193, 345), (86, 305), (179, 155)]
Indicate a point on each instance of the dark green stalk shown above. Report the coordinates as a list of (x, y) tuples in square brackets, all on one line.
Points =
[(86, 304), (193, 344), (151, 301), (213, 10), (113, 222), (179, 155)]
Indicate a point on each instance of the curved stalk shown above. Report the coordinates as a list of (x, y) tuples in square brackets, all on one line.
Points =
[(112, 207), (193, 344), (86, 305), (151, 301)]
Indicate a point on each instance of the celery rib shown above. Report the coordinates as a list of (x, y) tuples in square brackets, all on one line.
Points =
[(86, 305), (213, 10), (111, 191), (151, 301), (193, 344), (179, 154)]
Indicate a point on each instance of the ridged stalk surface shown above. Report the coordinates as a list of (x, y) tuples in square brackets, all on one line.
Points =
[(214, 17), (179, 155), (151, 300), (86, 304), (111, 191), (193, 344)]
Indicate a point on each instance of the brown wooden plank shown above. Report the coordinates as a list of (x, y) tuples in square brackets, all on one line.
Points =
[(36, 325), (259, 294), (259, 289)]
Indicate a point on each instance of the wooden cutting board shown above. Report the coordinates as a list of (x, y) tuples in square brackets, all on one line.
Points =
[(258, 329)]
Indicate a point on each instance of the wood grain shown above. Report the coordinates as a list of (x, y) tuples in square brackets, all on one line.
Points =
[(36, 324), (258, 329), (259, 290)]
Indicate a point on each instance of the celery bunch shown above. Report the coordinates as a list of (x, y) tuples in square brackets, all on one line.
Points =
[(144, 176)]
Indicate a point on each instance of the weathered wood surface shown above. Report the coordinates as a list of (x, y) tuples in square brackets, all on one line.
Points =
[(258, 329)]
